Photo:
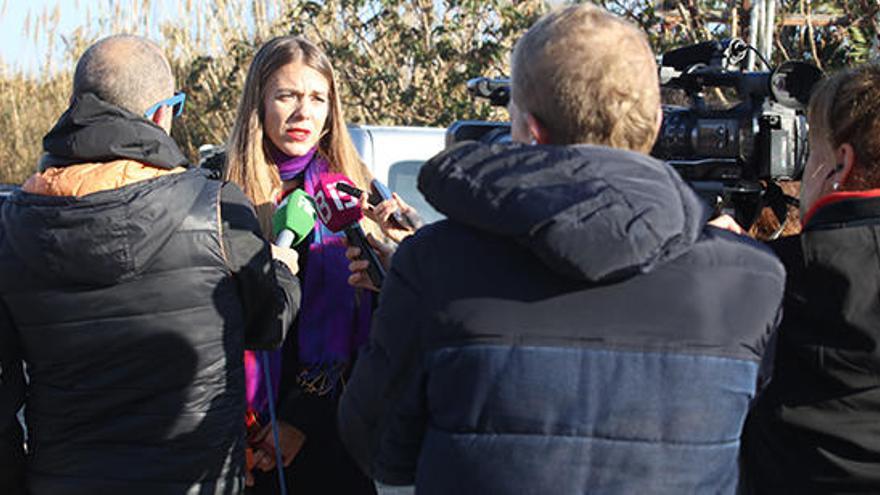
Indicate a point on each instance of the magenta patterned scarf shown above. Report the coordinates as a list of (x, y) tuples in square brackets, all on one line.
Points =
[(334, 319)]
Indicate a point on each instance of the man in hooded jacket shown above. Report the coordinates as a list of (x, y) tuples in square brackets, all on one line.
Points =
[(130, 286), (574, 326)]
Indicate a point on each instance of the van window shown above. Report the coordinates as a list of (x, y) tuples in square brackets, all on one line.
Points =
[(403, 179)]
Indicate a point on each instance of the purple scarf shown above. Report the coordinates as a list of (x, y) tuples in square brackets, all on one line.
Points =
[(334, 319), (291, 166)]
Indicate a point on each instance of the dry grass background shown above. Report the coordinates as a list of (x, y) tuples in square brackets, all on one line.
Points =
[(400, 62), (203, 33)]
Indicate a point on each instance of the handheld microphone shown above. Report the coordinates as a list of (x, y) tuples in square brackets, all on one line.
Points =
[(340, 211), (404, 220), (293, 219), (357, 193)]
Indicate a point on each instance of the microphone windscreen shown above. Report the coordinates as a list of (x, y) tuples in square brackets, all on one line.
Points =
[(337, 209), (296, 214)]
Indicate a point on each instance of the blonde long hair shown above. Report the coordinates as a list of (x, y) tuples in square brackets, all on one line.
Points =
[(249, 164)]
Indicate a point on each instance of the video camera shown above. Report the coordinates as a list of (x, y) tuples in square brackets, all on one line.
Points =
[(731, 143)]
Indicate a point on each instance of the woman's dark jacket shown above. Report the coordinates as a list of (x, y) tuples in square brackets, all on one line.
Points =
[(131, 308), (573, 327), (323, 465), (816, 429)]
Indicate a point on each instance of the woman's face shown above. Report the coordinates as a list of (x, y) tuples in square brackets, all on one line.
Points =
[(820, 164), (295, 104)]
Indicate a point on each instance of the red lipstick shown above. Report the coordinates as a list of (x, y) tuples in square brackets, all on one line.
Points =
[(298, 134)]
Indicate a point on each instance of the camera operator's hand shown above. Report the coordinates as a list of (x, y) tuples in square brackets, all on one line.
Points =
[(383, 214), (358, 267), (727, 222)]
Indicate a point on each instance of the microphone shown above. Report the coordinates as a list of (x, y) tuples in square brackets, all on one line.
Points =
[(293, 219), (340, 212), (404, 220)]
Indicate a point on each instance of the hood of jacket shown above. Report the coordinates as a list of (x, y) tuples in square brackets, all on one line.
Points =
[(588, 212), (92, 130)]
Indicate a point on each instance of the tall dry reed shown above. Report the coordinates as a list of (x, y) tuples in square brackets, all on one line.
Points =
[(209, 43), (399, 61)]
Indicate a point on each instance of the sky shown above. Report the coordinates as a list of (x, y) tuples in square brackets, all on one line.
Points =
[(16, 49), (19, 50)]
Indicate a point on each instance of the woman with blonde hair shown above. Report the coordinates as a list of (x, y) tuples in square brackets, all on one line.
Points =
[(814, 429), (289, 130), (270, 146)]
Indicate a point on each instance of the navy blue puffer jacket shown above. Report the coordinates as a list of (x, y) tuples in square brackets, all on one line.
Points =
[(573, 327)]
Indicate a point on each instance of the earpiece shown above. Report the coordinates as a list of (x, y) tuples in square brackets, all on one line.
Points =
[(837, 168)]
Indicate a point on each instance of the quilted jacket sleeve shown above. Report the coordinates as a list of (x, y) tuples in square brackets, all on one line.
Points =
[(12, 390), (381, 414)]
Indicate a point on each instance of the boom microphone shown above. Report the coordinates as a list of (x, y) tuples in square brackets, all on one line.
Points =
[(293, 219), (340, 211)]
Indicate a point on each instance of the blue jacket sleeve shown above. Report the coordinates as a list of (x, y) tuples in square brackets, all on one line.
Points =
[(12, 391), (382, 412)]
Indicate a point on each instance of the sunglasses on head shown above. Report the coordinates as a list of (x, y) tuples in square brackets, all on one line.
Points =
[(175, 102)]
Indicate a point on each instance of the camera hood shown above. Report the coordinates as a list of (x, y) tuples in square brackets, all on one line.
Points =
[(792, 83)]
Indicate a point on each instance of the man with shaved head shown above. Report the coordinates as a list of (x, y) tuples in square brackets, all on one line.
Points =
[(127, 71), (130, 285)]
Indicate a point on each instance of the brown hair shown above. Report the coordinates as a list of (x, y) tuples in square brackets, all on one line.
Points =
[(767, 227), (589, 77), (845, 108), (249, 163)]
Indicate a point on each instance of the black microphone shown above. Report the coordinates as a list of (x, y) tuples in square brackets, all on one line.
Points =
[(406, 220)]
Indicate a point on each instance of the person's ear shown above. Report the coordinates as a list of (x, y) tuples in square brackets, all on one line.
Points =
[(845, 156), (659, 124), (162, 118), (539, 133)]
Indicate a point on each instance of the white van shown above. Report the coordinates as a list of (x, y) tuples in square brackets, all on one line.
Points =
[(394, 155)]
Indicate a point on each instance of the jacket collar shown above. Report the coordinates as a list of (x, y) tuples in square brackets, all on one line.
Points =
[(588, 212), (841, 208), (88, 178)]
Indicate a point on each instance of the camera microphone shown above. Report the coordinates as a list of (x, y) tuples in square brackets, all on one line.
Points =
[(496, 90), (340, 211)]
